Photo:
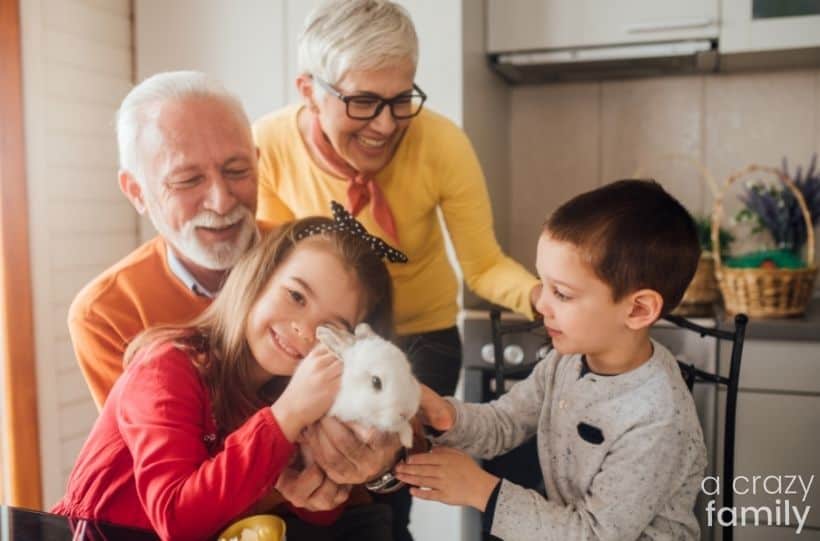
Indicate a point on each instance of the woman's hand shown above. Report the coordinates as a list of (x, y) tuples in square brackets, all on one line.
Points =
[(435, 411), (448, 476), (349, 454), (311, 489), (310, 392)]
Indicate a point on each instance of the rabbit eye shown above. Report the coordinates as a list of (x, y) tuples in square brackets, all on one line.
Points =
[(377, 383)]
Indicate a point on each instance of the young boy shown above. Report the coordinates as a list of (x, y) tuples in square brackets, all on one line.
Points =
[(619, 442)]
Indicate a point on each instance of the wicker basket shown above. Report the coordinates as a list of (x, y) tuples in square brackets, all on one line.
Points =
[(765, 292), (703, 292)]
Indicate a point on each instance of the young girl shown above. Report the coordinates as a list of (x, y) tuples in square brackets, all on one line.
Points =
[(204, 419)]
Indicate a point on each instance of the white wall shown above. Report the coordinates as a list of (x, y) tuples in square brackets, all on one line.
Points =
[(487, 122), (241, 43), (251, 46), (76, 69), (440, 71)]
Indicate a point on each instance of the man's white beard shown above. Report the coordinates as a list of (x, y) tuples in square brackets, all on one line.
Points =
[(216, 256)]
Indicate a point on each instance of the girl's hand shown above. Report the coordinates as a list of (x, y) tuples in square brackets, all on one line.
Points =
[(435, 411), (448, 476), (310, 392)]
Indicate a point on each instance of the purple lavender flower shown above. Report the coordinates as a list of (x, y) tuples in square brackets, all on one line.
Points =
[(775, 208)]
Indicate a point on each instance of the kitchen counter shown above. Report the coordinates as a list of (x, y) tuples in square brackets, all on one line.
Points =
[(803, 329)]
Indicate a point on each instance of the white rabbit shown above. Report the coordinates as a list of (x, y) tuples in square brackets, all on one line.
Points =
[(378, 388)]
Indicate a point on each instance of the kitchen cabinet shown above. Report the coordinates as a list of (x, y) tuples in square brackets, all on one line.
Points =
[(768, 25), (526, 25), (778, 426), (536, 41)]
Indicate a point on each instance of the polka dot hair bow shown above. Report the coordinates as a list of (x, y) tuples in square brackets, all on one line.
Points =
[(344, 222)]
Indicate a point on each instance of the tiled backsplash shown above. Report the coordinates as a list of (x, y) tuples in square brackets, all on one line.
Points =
[(568, 138)]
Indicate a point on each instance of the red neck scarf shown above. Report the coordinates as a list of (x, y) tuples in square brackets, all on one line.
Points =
[(361, 189)]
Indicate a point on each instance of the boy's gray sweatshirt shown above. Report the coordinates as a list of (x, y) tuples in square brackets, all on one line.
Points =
[(622, 456)]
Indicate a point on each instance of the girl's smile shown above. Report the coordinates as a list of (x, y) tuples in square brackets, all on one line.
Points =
[(282, 344)]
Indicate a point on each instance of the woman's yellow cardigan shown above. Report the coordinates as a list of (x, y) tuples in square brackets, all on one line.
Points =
[(434, 168)]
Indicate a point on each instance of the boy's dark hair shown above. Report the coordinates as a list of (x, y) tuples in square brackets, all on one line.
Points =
[(635, 236)]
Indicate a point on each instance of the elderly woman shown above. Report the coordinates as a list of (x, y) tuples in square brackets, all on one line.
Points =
[(361, 136)]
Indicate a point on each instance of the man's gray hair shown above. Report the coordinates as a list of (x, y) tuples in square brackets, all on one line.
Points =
[(157, 89), (344, 35)]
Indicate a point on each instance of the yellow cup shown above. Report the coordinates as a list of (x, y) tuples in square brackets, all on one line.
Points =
[(257, 528)]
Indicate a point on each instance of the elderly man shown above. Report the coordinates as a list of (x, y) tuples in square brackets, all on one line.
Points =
[(188, 160)]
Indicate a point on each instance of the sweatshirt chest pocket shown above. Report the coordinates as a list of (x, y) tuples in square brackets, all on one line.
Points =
[(590, 433), (587, 449)]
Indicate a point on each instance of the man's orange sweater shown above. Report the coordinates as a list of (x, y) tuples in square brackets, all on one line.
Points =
[(139, 291)]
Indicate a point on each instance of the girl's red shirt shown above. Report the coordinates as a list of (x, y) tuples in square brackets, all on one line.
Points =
[(154, 459)]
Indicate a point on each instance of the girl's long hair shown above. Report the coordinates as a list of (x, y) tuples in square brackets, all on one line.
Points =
[(215, 339)]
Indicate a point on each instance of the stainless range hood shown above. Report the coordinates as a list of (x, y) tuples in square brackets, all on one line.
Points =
[(618, 61)]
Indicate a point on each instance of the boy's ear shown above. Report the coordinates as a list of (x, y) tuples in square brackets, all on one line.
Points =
[(645, 308)]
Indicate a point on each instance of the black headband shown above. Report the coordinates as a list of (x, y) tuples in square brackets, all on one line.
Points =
[(344, 222)]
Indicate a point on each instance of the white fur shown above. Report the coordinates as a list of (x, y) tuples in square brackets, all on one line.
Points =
[(367, 356)]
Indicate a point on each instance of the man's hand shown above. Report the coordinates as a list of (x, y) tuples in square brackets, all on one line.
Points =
[(349, 454), (311, 489), (448, 476)]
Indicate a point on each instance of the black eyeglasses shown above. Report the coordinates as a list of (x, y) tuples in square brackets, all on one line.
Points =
[(368, 106)]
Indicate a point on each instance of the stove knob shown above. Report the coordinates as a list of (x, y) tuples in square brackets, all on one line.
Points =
[(513, 354), (488, 353)]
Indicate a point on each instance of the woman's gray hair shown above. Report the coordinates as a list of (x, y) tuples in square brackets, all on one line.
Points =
[(157, 89), (342, 35)]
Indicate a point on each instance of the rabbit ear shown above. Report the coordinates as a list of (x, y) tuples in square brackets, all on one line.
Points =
[(363, 330), (335, 339)]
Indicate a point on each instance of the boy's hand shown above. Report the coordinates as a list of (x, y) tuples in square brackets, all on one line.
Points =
[(448, 476), (435, 411)]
